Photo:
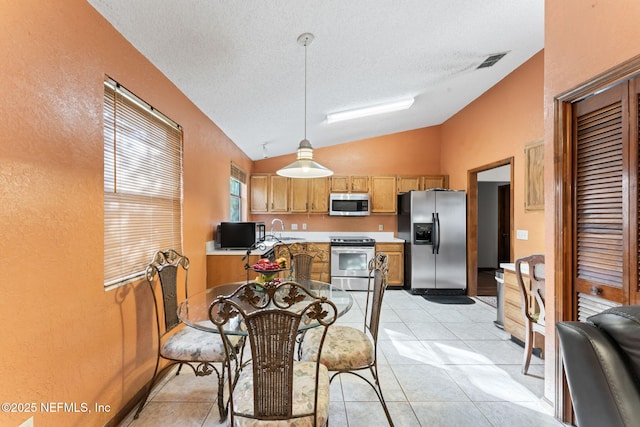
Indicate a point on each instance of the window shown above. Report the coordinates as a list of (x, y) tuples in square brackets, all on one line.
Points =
[(235, 213), (142, 184), (236, 190)]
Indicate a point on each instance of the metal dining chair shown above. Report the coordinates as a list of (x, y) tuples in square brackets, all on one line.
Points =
[(273, 386), (176, 342), (350, 350)]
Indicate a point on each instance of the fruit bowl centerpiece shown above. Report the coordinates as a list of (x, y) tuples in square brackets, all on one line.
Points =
[(268, 270)]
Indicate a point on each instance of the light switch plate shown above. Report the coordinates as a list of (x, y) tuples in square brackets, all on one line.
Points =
[(294, 226), (522, 234), (380, 227)]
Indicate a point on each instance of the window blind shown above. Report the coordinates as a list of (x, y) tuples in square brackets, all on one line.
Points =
[(142, 185)]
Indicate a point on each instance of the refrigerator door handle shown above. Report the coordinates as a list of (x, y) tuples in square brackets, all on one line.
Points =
[(437, 233), (435, 242)]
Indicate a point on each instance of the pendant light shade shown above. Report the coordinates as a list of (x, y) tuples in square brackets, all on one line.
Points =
[(305, 166)]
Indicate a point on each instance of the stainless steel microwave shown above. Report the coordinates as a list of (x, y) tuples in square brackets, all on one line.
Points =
[(239, 235), (349, 204)]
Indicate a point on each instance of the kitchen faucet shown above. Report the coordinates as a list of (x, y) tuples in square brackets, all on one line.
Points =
[(273, 221)]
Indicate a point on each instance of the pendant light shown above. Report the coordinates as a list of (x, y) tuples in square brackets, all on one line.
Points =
[(305, 166)]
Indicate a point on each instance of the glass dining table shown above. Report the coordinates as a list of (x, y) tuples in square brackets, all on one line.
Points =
[(194, 311)]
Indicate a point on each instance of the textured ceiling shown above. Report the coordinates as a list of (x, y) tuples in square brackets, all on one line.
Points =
[(240, 63)]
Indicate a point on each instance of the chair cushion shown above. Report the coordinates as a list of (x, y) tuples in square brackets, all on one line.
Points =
[(193, 345), (344, 348), (303, 395), (623, 325)]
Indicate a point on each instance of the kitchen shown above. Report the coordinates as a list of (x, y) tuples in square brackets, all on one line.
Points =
[(62, 325)]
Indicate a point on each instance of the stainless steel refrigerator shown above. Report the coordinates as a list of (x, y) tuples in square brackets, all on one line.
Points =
[(433, 224)]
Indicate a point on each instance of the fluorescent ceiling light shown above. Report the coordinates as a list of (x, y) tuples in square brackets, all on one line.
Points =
[(403, 104)]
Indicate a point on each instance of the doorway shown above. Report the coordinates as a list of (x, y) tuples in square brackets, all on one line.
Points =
[(489, 224)]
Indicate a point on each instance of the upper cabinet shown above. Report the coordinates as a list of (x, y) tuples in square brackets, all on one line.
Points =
[(271, 193), (309, 195), (419, 183), (259, 193), (383, 194), (349, 184)]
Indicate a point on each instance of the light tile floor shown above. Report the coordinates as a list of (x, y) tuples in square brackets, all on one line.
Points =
[(440, 365)]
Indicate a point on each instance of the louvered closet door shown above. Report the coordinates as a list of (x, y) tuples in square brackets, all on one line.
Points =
[(601, 220)]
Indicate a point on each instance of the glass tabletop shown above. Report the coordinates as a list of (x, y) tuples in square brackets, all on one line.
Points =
[(194, 311)]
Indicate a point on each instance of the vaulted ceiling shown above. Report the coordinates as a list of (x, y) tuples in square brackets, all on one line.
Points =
[(240, 62)]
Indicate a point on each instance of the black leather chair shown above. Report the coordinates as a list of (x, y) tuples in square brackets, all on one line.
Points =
[(602, 365)]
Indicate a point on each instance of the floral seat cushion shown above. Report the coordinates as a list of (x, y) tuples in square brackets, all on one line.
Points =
[(343, 348), (303, 396), (193, 345)]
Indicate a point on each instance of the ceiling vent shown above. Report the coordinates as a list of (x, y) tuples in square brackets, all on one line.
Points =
[(491, 60)]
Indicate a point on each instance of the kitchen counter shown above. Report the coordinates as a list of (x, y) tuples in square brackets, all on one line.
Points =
[(512, 267), (304, 236)]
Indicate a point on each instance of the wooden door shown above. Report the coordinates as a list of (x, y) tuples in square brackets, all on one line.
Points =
[(601, 201), (504, 224)]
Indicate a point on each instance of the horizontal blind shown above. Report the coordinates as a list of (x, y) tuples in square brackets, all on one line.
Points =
[(142, 185), (599, 213), (238, 174)]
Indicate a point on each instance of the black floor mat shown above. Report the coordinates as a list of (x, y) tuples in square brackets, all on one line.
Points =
[(449, 299)]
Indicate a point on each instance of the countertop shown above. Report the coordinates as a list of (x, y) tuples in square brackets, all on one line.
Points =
[(305, 236), (512, 267)]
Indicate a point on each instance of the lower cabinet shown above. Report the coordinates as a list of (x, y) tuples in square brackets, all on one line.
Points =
[(320, 269), (395, 252), (513, 318), (223, 269)]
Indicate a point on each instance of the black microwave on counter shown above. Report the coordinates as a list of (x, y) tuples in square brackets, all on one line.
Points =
[(239, 235)]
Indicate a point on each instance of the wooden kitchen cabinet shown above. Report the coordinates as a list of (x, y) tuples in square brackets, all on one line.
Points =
[(299, 190), (319, 195), (269, 193), (309, 195), (321, 252), (259, 193), (423, 182), (222, 269), (278, 193), (395, 254), (435, 181), (409, 183), (383, 194), (349, 184), (513, 318)]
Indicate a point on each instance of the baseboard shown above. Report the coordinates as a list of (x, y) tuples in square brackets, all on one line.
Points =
[(536, 351)]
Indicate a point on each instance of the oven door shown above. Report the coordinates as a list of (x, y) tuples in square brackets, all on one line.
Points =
[(351, 261)]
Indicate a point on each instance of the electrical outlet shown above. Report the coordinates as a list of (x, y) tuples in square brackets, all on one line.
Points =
[(304, 225), (380, 227), (522, 234), (294, 226)]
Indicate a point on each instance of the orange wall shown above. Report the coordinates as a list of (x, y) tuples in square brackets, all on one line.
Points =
[(582, 40), (415, 152), (497, 126), (64, 338)]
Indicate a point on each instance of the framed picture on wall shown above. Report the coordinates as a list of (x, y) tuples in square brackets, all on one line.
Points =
[(534, 176)]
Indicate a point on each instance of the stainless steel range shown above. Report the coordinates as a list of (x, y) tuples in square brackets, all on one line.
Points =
[(350, 256)]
